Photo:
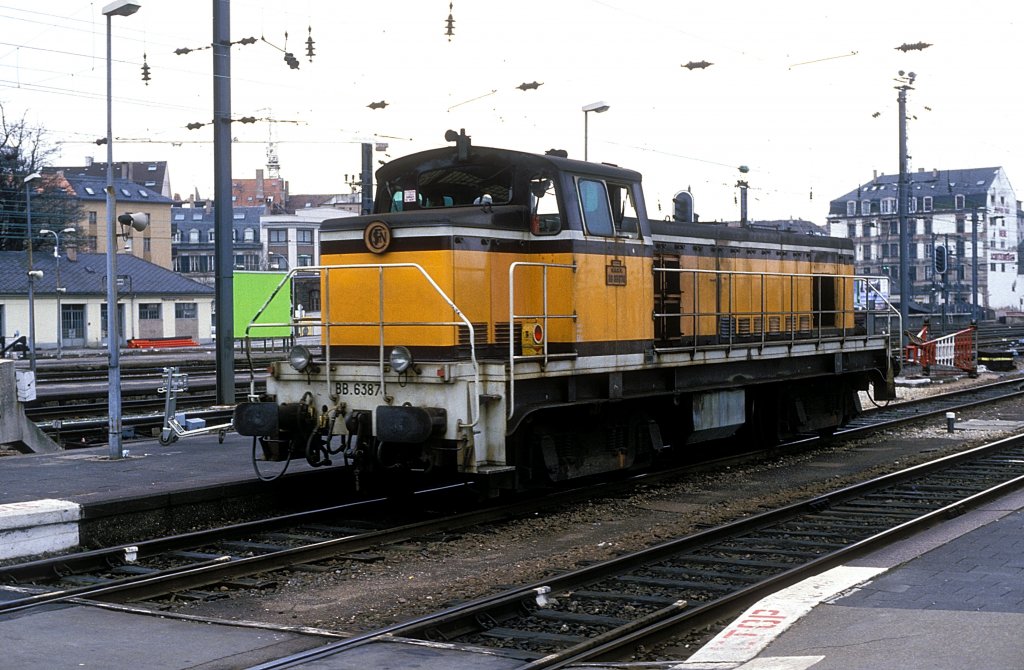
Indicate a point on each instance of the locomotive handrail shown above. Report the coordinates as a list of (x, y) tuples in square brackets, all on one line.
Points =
[(544, 316), (791, 318), (380, 323), (890, 311)]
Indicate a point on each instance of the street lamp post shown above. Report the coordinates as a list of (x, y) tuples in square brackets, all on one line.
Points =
[(60, 289), (600, 107), (32, 274), (116, 8)]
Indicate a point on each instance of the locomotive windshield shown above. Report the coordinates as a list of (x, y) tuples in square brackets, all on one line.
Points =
[(454, 186)]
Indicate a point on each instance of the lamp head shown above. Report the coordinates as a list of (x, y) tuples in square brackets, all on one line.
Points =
[(121, 8), (32, 177), (138, 220), (599, 107)]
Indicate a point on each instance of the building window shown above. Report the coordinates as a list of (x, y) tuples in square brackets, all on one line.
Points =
[(304, 260), (211, 235), (147, 244), (92, 218), (851, 208), (304, 236), (193, 235), (912, 204), (865, 207), (927, 226), (867, 252), (277, 235), (149, 311), (926, 203), (888, 205), (958, 201), (249, 235), (851, 230), (185, 310)]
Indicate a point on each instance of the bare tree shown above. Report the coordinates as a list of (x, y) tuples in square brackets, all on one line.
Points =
[(24, 149)]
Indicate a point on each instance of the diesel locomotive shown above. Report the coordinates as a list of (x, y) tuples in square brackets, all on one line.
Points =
[(518, 319)]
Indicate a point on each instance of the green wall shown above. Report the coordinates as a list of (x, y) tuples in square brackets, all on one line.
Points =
[(251, 290)]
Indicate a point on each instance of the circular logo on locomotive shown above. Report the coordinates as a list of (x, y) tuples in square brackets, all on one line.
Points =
[(377, 237)]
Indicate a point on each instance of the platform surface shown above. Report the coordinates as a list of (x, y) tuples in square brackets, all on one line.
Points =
[(951, 597)]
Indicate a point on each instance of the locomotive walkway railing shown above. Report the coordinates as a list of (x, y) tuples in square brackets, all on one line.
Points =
[(381, 323), (806, 308)]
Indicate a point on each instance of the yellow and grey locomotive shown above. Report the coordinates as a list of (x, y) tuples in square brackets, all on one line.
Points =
[(518, 319)]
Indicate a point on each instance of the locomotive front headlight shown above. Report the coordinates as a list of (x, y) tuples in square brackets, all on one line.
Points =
[(401, 359), (299, 357)]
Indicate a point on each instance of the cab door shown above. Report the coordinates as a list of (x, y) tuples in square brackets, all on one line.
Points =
[(616, 285)]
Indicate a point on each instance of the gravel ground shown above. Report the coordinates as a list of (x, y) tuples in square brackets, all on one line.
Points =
[(410, 580)]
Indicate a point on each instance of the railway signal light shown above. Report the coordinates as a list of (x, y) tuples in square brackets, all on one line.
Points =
[(941, 260), (309, 45), (145, 70)]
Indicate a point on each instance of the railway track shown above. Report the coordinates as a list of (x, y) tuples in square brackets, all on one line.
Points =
[(589, 609), (934, 405), (605, 612)]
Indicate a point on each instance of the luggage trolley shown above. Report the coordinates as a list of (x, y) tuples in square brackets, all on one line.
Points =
[(174, 383)]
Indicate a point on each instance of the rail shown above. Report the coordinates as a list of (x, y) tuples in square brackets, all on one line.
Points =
[(544, 317), (381, 323)]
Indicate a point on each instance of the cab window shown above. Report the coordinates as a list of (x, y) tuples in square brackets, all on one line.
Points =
[(624, 216), (545, 218), (597, 216)]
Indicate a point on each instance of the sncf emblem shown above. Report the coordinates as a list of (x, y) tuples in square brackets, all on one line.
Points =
[(377, 237)]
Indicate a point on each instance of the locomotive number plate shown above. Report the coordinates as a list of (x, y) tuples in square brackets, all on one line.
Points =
[(357, 388)]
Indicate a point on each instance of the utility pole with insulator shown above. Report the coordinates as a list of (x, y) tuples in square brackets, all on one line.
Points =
[(906, 80)]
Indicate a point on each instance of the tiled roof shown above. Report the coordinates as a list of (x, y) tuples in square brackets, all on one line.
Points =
[(86, 276), (201, 219), (941, 185), (92, 188), (152, 174)]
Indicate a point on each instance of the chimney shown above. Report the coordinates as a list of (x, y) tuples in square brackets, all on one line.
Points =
[(259, 185), (875, 173), (88, 161)]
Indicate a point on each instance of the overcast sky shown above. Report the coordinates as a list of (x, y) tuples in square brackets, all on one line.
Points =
[(800, 92)]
